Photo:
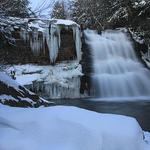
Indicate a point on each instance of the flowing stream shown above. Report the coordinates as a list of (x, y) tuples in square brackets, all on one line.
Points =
[(118, 73)]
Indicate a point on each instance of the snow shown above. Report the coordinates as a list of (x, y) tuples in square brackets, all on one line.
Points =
[(26, 74), (136, 36), (4, 97), (7, 80), (147, 137), (67, 128), (141, 5), (65, 22), (143, 2), (120, 13), (11, 91), (59, 81)]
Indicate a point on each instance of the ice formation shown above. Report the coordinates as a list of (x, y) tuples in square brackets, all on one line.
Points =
[(47, 32), (59, 81), (55, 90), (76, 34)]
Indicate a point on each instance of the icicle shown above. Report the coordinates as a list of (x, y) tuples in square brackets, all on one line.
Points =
[(59, 40), (58, 90), (49, 33), (77, 38), (36, 43), (24, 35), (54, 44)]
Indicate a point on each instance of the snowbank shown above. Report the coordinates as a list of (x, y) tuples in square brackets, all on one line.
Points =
[(67, 128)]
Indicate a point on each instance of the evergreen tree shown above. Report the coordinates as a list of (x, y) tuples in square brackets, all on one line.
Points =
[(59, 11), (86, 12), (14, 8)]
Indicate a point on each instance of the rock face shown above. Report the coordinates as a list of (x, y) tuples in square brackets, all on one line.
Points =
[(12, 94), (67, 47), (40, 41), (87, 68)]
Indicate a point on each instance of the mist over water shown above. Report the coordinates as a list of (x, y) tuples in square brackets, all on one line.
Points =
[(117, 70)]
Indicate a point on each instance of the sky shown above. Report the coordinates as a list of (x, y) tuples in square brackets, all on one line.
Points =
[(43, 6)]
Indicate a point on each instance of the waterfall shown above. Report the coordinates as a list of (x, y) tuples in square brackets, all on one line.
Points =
[(118, 73)]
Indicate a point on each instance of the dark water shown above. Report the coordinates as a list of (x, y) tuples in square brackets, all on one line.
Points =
[(139, 109)]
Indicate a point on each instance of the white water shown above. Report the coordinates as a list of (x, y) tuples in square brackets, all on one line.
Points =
[(117, 70)]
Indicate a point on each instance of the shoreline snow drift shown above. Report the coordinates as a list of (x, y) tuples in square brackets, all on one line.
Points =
[(68, 128)]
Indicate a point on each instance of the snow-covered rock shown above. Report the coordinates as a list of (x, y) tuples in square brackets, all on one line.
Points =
[(59, 81), (13, 94), (139, 3), (68, 128)]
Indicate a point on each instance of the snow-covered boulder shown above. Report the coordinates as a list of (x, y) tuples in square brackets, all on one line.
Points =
[(13, 94), (68, 128)]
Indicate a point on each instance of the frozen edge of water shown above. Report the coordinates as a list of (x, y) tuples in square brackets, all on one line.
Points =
[(122, 99)]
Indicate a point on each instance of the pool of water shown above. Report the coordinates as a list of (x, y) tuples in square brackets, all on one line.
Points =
[(138, 109)]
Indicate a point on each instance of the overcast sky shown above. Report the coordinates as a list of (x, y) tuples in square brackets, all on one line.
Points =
[(34, 3), (44, 5)]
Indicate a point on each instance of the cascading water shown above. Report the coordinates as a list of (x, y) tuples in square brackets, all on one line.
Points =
[(117, 71)]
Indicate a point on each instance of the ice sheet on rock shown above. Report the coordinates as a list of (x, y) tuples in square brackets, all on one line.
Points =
[(77, 39), (60, 72), (59, 81), (67, 128)]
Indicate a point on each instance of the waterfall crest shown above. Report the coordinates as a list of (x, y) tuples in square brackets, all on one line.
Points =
[(117, 70)]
